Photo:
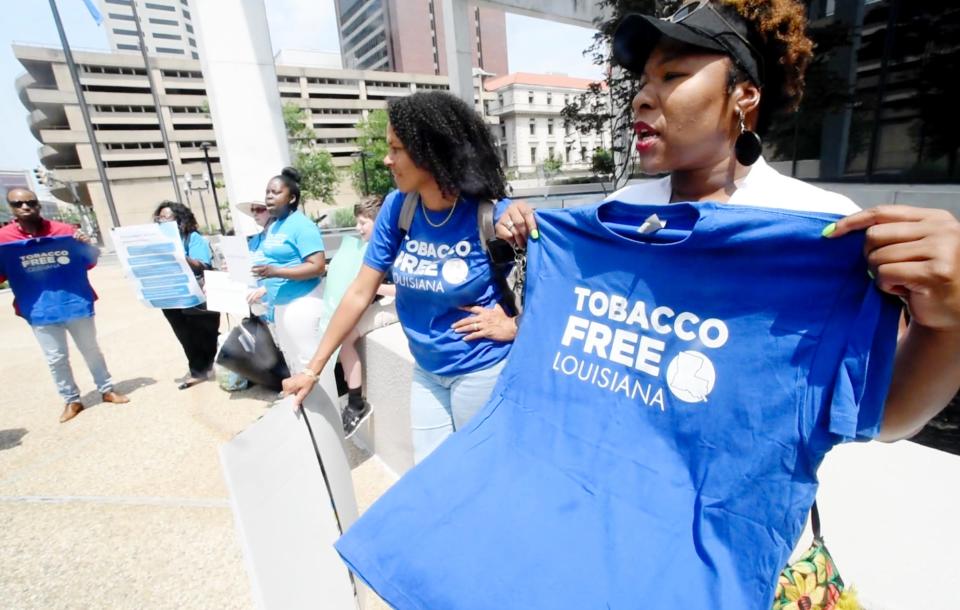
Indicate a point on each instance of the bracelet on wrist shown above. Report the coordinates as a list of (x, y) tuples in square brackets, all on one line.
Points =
[(309, 373)]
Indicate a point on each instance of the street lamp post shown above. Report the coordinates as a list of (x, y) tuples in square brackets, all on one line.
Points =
[(202, 186), (205, 147)]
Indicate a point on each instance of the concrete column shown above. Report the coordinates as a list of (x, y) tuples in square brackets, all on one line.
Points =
[(458, 43), (245, 104)]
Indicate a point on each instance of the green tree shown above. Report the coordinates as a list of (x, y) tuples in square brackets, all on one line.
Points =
[(552, 165), (606, 104), (318, 176), (372, 142), (602, 163)]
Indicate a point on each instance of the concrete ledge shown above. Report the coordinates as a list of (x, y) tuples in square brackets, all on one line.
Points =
[(388, 370)]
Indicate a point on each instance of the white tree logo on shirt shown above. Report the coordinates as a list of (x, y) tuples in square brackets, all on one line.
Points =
[(691, 376)]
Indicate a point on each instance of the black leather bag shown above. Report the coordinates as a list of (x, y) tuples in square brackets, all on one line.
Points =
[(250, 351)]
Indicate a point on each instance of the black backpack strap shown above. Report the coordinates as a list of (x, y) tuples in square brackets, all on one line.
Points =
[(485, 224), (508, 300), (409, 208), (815, 521)]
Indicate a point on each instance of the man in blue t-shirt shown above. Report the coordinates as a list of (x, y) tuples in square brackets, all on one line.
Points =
[(46, 263)]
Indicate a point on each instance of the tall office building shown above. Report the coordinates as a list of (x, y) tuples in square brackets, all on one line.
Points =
[(407, 36), (167, 27)]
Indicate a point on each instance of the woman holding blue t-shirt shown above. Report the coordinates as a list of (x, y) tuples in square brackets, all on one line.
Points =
[(712, 78), (291, 261), (196, 328), (447, 296)]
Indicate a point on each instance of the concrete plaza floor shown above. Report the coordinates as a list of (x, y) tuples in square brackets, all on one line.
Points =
[(125, 506)]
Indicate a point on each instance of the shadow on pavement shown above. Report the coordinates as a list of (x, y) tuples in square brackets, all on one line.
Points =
[(127, 386), (11, 438)]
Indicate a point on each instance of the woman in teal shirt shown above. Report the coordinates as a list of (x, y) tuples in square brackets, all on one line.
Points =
[(290, 262)]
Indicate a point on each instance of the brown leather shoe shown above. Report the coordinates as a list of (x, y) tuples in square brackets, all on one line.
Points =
[(70, 411), (115, 398)]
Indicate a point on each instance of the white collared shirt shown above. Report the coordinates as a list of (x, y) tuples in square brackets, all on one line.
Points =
[(763, 186)]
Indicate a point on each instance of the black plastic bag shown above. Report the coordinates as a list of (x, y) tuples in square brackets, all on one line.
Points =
[(250, 351)]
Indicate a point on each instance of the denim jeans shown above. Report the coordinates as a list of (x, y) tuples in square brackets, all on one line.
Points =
[(53, 341), (440, 405)]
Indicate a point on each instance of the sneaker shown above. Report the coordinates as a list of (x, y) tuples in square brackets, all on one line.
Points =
[(353, 416)]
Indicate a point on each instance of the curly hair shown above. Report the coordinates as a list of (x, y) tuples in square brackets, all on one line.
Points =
[(290, 177), (186, 221), (447, 138), (778, 31)]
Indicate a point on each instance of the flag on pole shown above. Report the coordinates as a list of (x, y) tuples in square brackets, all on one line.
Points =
[(94, 11)]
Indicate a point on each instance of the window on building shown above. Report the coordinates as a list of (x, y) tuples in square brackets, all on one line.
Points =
[(128, 47), (529, 97), (550, 153), (193, 43), (195, 55), (122, 32), (170, 51), (533, 154), (500, 99), (533, 126), (583, 153), (566, 153), (189, 28), (549, 126), (160, 7), (156, 21), (549, 99), (120, 2), (120, 17), (162, 36)]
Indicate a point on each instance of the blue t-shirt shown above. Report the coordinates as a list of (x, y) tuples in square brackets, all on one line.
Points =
[(655, 436), (48, 276), (198, 248), (287, 242), (436, 271)]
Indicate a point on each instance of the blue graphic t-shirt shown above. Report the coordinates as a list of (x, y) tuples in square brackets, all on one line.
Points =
[(436, 271), (287, 242), (654, 439), (198, 248), (48, 276)]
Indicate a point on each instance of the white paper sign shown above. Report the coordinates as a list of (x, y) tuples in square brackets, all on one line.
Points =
[(157, 265), (224, 294), (236, 255)]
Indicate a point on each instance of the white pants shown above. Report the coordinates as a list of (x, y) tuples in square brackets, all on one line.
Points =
[(299, 333)]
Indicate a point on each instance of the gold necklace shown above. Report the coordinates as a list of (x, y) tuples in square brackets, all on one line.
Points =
[(444, 221)]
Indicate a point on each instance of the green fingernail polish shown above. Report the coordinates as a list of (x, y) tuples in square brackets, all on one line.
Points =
[(828, 230), (872, 276), (535, 234)]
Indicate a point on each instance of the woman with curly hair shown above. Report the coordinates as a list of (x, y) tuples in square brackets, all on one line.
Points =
[(196, 328), (442, 153), (711, 79)]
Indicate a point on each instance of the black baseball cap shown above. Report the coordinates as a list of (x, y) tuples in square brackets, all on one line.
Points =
[(698, 24)]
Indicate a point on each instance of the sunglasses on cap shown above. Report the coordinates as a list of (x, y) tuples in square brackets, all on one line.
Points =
[(32, 203), (259, 209), (690, 8)]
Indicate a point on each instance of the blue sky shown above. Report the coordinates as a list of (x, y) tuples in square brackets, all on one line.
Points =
[(533, 45)]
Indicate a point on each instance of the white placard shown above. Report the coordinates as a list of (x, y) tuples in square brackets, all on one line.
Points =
[(288, 514), (224, 294), (236, 255), (157, 265)]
